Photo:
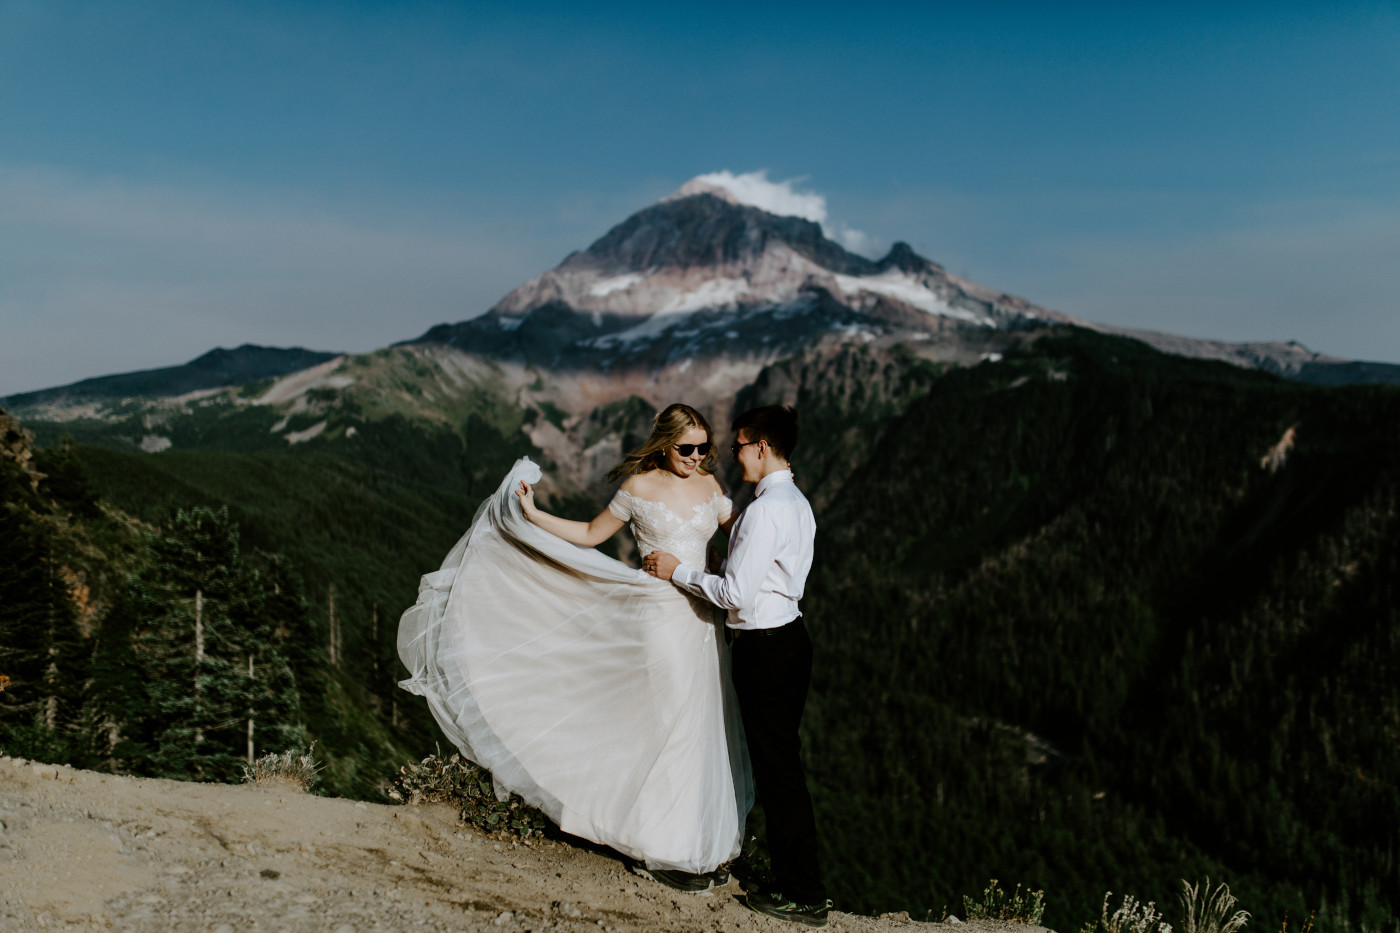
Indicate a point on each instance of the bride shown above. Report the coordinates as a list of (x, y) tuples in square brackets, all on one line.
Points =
[(599, 694)]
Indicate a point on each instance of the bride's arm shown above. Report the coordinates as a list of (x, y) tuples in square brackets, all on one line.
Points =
[(728, 524), (584, 534)]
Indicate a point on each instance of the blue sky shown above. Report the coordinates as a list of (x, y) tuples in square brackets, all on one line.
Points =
[(176, 176)]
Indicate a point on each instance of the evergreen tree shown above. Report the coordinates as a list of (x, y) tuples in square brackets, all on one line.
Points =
[(41, 650), (206, 632), (117, 697)]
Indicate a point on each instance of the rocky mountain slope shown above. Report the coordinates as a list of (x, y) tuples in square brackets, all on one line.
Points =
[(703, 276), (686, 299)]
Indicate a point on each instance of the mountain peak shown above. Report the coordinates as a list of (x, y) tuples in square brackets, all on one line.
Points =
[(726, 264), (700, 185), (708, 229), (902, 256), (754, 189)]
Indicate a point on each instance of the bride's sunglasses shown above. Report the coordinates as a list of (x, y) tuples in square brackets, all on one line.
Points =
[(685, 450)]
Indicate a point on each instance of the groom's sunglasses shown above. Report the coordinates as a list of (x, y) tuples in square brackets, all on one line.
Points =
[(685, 450)]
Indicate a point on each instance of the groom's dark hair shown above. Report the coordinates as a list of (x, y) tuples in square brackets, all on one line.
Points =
[(776, 424)]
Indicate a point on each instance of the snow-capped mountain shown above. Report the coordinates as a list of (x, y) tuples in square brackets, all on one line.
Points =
[(719, 271), (700, 274), (694, 298)]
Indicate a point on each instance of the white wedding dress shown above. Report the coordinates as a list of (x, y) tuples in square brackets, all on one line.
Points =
[(599, 694)]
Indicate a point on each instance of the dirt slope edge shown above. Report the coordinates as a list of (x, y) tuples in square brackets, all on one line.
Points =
[(86, 851)]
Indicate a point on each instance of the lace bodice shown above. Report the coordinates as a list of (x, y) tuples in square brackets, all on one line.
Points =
[(658, 528)]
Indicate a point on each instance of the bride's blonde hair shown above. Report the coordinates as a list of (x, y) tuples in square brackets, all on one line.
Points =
[(667, 429)]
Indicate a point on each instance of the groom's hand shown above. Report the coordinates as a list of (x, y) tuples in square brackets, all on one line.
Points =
[(660, 564)]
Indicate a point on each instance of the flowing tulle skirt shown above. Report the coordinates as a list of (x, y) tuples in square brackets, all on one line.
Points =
[(599, 694)]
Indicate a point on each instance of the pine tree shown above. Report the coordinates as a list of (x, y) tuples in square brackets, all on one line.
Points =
[(267, 608), (206, 631), (117, 698), (41, 650)]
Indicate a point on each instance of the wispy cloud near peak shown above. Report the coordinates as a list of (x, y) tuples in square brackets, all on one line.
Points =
[(776, 197)]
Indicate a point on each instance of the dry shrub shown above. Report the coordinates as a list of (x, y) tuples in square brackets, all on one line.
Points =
[(469, 787), (291, 767)]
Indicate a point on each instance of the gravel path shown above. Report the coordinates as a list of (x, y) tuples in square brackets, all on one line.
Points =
[(87, 851)]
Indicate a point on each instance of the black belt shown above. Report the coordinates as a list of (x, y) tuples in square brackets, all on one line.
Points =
[(735, 633)]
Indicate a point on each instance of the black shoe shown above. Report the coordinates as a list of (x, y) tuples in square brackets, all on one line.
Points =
[(719, 878), (678, 880), (751, 875), (774, 904)]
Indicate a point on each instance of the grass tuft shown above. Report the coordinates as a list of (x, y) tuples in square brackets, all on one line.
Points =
[(297, 769), (1208, 911), (1132, 917), (996, 904)]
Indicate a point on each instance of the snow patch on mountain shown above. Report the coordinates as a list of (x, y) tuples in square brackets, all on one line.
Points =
[(616, 283), (712, 293), (901, 287), (652, 327)]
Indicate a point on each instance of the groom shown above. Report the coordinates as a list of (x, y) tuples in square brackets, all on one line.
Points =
[(770, 553)]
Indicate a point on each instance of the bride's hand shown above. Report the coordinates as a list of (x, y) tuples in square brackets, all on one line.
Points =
[(660, 564), (527, 498)]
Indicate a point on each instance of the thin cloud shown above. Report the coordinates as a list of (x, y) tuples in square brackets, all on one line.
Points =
[(775, 197)]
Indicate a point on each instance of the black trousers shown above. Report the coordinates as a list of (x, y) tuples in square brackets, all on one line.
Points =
[(772, 670)]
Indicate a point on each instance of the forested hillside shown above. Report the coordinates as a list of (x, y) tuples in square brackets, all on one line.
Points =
[(1095, 618), (166, 649), (1087, 618)]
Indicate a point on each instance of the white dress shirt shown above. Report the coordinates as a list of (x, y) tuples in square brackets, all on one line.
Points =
[(770, 553)]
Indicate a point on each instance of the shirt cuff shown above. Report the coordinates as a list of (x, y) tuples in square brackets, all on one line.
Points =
[(685, 576)]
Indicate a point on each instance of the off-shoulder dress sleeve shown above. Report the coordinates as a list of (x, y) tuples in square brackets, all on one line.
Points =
[(621, 505), (723, 509)]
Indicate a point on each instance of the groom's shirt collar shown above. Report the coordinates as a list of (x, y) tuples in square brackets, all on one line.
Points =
[(771, 480)]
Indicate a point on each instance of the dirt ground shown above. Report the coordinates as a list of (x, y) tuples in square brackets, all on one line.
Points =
[(86, 851)]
